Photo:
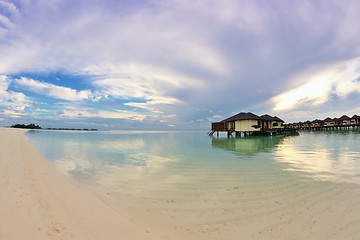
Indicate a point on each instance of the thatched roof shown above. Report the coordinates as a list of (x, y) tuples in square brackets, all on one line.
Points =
[(242, 116), (278, 119), (344, 117), (267, 117), (317, 121), (251, 116)]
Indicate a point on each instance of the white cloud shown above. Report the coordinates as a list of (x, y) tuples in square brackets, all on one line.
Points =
[(52, 90), (215, 118), (138, 80), (4, 84), (13, 102), (172, 57), (7, 13), (90, 33), (151, 86), (74, 112), (318, 86), (149, 105)]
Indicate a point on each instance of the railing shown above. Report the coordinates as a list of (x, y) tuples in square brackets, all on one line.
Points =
[(322, 126), (220, 126)]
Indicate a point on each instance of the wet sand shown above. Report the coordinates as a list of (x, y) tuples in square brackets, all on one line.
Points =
[(38, 203), (256, 209)]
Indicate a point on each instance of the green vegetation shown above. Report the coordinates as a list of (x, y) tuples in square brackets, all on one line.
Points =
[(30, 126), (33, 126)]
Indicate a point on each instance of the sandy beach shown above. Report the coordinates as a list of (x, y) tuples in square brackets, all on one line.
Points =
[(37, 203)]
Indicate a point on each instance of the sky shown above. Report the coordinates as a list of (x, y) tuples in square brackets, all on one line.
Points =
[(176, 64)]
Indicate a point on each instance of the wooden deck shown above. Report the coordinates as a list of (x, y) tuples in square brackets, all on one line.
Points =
[(218, 127), (327, 128)]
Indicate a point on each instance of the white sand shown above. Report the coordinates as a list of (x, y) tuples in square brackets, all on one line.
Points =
[(37, 203), (249, 210)]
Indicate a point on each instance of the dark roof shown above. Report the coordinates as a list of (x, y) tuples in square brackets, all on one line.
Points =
[(317, 121), (278, 119), (344, 117), (355, 117), (267, 117), (242, 116), (328, 119)]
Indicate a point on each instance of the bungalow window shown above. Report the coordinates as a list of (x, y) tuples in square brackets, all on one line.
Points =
[(275, 124)]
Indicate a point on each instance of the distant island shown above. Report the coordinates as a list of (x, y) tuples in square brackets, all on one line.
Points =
[(33, 126), (30, 126), (73, 129)]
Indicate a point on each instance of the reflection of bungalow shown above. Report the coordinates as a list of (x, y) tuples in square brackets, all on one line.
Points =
[(344, 120), (355, 120), (247, 146), (247, 123), (329, 122)]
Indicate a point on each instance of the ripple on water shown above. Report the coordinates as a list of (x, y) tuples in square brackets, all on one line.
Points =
[(196, 187)]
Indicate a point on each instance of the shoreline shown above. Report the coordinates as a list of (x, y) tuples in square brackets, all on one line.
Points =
[(36, 202)]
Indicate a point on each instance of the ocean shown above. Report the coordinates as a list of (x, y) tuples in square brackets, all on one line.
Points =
[(206, 187)]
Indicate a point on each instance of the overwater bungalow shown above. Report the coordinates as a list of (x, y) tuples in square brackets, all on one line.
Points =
[(329, 122), (336, 121), (344, 120), (317, 123), (244, 124), (306, 124), (269, 122), (355, 120)]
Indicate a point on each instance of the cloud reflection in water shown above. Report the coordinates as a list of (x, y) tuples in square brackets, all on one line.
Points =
[(323, 156)]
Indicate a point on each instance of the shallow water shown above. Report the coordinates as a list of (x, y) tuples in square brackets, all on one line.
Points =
[(179, 157), (190, 183)]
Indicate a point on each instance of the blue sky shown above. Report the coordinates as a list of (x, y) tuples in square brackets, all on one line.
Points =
[(176, 64)]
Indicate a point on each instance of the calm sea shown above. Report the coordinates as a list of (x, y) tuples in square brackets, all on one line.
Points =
[(188, 182), (171, 158)]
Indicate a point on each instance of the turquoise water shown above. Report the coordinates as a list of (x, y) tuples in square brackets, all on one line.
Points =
[(197, 187), (89, 156)]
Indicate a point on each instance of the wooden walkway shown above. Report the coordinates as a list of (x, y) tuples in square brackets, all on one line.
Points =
[(263, 132), (283, 131), (328, 128)]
